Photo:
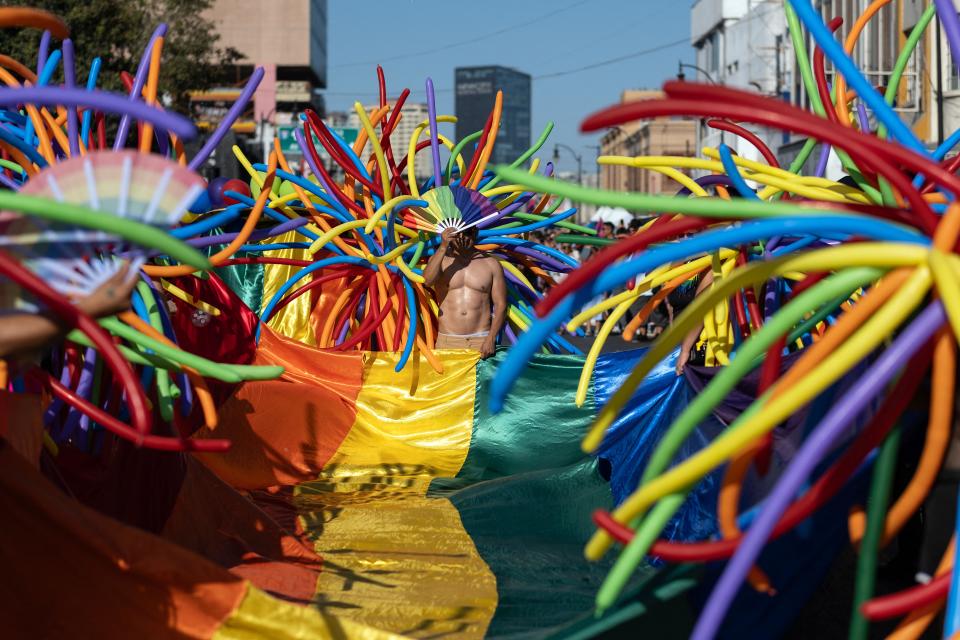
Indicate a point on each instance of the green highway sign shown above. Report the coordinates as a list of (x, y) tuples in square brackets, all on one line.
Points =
[(288, 143)]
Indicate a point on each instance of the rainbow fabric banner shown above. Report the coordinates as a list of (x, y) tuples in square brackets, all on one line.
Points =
[(436, 518), (385, 505)]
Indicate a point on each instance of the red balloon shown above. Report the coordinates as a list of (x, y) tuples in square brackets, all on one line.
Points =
[(234, 185)]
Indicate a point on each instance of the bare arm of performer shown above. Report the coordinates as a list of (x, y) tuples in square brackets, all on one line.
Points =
[(23, 332), (435, 263), (691, 337), (498, 294)]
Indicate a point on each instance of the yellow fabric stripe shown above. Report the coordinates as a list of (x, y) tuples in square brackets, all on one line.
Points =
[(293, 320), (418, 419), (262, 616), (394, 558)]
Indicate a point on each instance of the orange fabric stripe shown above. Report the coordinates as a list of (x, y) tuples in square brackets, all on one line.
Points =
[(284, 431), (110, 577)]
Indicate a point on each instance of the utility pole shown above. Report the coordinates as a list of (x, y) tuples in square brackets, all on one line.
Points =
[(939, 87), (579, 159)]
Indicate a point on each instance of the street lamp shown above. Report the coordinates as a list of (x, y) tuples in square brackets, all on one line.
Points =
[(681, 76)]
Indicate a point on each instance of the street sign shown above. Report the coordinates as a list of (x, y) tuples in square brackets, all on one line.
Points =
[(288, 143)]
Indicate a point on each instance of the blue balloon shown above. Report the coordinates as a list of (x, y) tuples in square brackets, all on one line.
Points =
[(202, 204)]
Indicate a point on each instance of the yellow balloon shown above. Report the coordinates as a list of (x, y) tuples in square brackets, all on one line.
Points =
[(880, 254), (874, 331)]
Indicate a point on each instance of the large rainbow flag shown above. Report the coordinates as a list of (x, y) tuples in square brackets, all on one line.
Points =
[(357, 502)]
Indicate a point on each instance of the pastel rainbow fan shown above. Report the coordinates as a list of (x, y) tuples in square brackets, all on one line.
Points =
[(451, 206), (143, 187)]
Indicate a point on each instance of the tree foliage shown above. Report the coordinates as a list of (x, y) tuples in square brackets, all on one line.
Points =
[(117, 31)]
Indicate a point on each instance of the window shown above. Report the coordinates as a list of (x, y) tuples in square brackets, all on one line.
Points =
[(950, 73), (877, 48), (713, 58)]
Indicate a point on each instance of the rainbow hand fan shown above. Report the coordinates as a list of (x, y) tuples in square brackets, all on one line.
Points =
[(457, 207), (143, 187)]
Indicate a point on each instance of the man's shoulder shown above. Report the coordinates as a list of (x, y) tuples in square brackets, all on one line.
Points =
[(488, 259)]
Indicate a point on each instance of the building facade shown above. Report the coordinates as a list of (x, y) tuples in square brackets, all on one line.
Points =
[(411, 115), (741, 44), (746, 44), (288, 38), (658, 137), (476, 89)]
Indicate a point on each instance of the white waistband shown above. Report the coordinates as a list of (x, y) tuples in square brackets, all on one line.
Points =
[(479, 334)]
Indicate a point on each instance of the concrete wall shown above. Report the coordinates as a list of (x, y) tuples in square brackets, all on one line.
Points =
[(705, 15), (275, 32)]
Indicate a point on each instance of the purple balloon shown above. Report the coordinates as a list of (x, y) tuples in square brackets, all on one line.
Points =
[(69, 80), (434, 141), (215, 191), (708, 181), (822, 163), (138, 81), (43, 52), (223, 238), (228, 120), (76, 417), (100, 100)]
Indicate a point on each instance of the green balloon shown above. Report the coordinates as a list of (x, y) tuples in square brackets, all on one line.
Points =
[(286, 187), (255, 186)]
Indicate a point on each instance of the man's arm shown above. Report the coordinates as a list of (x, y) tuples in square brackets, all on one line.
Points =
[(498, 295), (24, 332), (693, 334), (21, 332), (434, 264)]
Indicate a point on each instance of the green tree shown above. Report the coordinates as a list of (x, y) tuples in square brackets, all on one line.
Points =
[(117, 31)]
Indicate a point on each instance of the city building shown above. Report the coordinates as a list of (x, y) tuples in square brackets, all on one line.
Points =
[(614, 143), (411, 115), (476, 89), (928, 97), (746, 44), (658, 137), (288, 38), (742, 44)]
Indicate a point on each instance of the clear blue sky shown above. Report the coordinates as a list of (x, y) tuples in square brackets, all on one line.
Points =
[(537, 37)]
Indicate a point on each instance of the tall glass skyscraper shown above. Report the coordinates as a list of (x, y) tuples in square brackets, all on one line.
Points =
[(476, 89)]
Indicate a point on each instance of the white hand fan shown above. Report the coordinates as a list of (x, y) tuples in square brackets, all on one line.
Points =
[(143, 187)]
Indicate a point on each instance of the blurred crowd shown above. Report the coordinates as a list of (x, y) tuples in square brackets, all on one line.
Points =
[(656, 321)]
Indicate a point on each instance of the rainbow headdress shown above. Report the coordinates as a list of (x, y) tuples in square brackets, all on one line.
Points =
[(454, 207)]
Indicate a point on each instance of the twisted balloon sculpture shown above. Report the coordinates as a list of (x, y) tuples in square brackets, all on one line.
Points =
[(367, 236), (72, 205), (840, 273)]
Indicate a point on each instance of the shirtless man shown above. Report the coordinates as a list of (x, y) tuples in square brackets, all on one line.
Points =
[(467, 283)]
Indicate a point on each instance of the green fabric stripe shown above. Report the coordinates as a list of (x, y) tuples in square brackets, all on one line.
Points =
[(539, 427), (525, 495), (246, 280)]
